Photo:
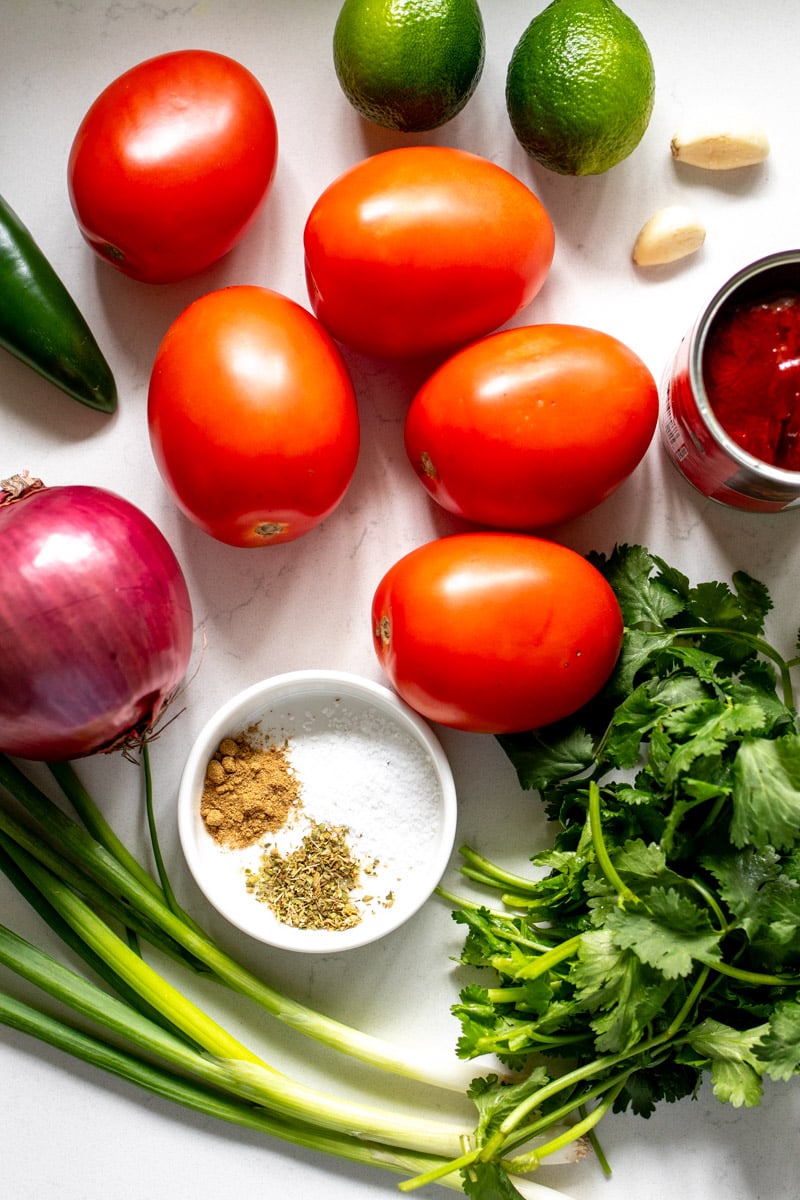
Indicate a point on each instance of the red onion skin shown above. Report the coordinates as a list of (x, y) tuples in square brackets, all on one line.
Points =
[(95, 623)]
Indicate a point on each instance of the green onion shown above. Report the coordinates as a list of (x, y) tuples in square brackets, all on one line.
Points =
[(18, 1015), (66, 839), (88, 888)]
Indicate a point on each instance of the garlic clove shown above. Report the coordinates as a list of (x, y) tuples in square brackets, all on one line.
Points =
[(722, 148), (670, 234)]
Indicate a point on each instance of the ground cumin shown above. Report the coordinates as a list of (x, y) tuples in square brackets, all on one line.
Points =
[(250, 790)]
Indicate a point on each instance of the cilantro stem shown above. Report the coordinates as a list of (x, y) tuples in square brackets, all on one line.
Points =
[(599, 1153), (600, 849), (437, 1173), (527, 1162), (581, 1128), (549, 959), (723, 925), (482, 870), (510, 932), (525, 1031), (517, 996), (673, 1028), (754, 977), (494, 1145), (527, 902), (470, 905)]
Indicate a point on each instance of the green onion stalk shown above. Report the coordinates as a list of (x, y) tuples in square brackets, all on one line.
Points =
[(103, 904), (58, 836)]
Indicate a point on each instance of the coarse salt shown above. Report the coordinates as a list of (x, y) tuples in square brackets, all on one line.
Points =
[(363, 771)]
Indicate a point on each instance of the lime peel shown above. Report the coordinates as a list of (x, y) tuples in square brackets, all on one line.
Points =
[(580, 87), (409, 65)]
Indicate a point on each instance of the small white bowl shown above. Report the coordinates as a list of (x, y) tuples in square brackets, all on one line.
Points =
[(365, 761)]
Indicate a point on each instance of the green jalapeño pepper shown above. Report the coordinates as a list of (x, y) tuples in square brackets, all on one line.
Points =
[(41, 324)]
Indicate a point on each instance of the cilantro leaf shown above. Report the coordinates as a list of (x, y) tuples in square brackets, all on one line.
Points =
[(704, 728), (671, 934), (488, 1026), (644, 601), (615, 984), (639, 861), (766, 792), (475, 1004), (716, 605), (742, 607), (714, 720), (735, 1068), (642, 710), (639, 648), (779, 1047), (546, 756), (756, 685), (641, 866), (754, 599), (673, 579), (702, 663), (764, 898), (495, 1099), (634, 717), (488, 1181), (669, 1081)]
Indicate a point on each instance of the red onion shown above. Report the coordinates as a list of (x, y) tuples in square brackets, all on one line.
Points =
[(95, 621)]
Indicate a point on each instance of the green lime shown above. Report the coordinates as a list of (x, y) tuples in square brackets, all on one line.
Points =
[(409, 64), (580, 87)]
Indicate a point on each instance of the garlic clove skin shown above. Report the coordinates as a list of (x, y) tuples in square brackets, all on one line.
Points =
[(670, 234), (722, 148)]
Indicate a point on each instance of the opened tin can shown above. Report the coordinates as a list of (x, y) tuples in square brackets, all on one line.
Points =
[(764, 371)]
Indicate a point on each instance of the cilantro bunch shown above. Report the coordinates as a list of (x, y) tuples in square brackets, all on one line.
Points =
[(658, 939)]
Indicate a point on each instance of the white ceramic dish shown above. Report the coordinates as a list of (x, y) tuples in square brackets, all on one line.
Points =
[(364, 760)]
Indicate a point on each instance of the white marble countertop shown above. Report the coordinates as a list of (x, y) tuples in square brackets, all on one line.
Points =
[(72, 1133)]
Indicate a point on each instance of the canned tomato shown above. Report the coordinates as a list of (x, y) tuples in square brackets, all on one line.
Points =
[(730, 399)]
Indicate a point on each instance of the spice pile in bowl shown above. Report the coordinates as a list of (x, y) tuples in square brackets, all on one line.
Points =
[(249, 791), (317, 811)]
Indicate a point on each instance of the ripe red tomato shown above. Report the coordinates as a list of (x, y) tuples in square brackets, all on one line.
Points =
[(495, 632), (171, 164), (531, 426), (252, 416), (424, 248)]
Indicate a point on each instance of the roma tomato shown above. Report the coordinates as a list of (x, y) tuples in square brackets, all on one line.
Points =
[(252, 416), (424, 248), (531, 426), (495, 632), (171, 164)]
